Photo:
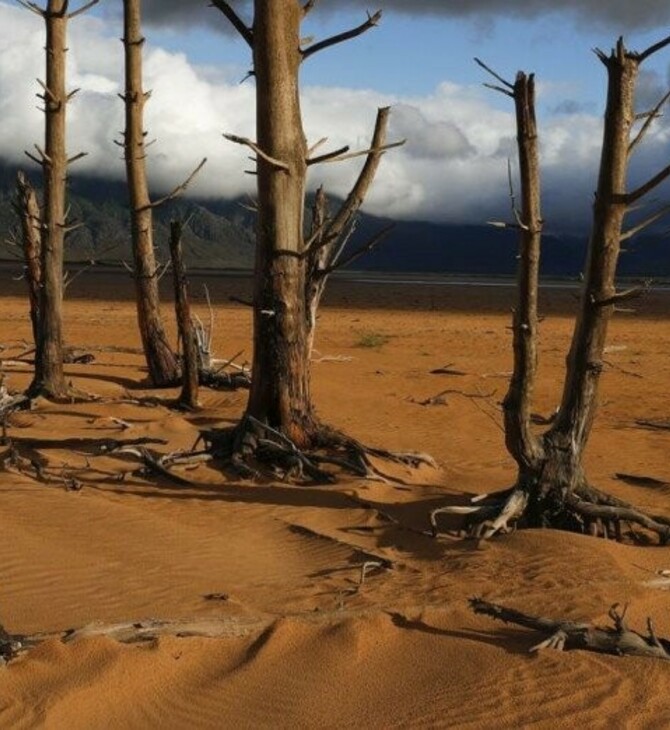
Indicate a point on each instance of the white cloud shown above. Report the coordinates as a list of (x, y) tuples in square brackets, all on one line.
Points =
[(453, 166)]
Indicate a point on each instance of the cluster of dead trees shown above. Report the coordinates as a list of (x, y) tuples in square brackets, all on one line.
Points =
[(295, 257)]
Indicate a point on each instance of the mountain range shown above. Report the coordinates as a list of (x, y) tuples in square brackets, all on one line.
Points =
[(219, 234)]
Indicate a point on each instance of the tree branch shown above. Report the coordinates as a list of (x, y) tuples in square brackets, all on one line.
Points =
[(263, 155), (76, 157), (495, 75), (335, 227), (341, 157), (649, 118), (327, 157), (372, 21), (178, 190), (235, 21), (33, 7), (623, 296), (83, 9), (653, 49), (647, 187), (369, 246), (645, 223)]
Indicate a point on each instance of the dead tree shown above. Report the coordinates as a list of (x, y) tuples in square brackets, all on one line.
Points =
[(280, 422), (566, 635), (29, 214), (190, 366), (49, 379), (161, 359), (552, 488)]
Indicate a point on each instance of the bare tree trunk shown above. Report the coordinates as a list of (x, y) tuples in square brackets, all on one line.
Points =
[(280, 388), (567, 438), (31, 234), (49, 379), (522, 444), (551, 488), (290, 271), (161, 360), (190, 365)]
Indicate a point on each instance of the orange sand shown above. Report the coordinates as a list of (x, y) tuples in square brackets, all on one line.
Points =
[(401, 651)]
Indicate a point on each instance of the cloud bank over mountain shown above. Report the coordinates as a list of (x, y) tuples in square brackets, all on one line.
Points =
[(453, 166)]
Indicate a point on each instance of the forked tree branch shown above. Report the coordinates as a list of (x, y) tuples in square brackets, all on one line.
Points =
[(372, 21), (235, 20), (565, 634), (263, 155), (342, 155), (178, 190), (33, 7), (495, 75), (316, 146), (334, 228), (507, 88)]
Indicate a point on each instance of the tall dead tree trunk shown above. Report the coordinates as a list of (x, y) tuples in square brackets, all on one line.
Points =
[(49, 379), (280, 387), (190, 365), (290, 267), (31, 243), (160, 358), (552, 489), (521, 442)]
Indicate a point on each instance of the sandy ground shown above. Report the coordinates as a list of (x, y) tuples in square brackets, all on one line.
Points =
[(313, 648)]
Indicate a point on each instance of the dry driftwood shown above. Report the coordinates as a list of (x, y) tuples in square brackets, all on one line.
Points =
[(129, 632), (563, 634)]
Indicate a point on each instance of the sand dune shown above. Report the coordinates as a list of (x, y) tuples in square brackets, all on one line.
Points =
[(310, 645)]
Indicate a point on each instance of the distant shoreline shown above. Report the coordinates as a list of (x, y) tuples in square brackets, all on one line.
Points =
[(369, 277)]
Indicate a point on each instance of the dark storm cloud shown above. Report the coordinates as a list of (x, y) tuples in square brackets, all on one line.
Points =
[(196, 12), (615, 14)]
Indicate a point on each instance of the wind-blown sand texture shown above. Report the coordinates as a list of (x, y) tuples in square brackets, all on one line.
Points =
[(309, 646)]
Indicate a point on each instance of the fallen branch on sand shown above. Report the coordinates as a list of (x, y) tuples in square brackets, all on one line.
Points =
[(654, 425), (131, 632), (563, 634)]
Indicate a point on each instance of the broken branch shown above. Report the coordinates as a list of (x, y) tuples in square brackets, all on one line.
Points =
[(372, 21), (263, 155)]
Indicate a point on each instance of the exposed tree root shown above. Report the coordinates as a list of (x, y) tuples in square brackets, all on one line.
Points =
[(585, 510), (219, 379), (253, 446), (562, 634), (22, 456)]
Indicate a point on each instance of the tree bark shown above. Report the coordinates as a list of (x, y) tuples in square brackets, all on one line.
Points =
[(190, 365), (160, 358), (280, 389), (522, 444), (31, 235), (49, 379), (566, 440), (280, 423)]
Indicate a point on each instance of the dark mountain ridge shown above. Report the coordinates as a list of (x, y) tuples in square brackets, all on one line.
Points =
[(219, 234)]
